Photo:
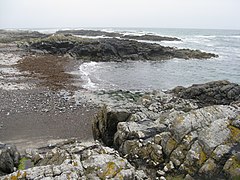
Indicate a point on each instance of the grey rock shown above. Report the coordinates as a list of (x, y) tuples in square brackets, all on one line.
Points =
[(232, 167), (9, 158), (88, 160), (212, 93), (179, 135)]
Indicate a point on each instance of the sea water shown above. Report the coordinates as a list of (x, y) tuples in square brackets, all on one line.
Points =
[(166, 74)]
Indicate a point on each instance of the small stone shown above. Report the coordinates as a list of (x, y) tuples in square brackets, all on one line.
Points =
[(161, 173), (168, 167), (188, 177), (162, 178), (45, 110)]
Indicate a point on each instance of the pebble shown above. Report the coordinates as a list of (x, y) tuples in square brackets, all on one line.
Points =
[(162, 178)]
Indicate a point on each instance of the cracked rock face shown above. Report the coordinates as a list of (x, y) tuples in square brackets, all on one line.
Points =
[(176, 136), (73, 160)]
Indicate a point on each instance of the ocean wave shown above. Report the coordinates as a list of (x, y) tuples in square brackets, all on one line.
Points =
[(205, 36), (92, 37)]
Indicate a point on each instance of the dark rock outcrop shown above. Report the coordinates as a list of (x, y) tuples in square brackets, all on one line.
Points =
[(216, 92), (83, 32), (9, 158), (146, 37), (112, 49), (150, 37)]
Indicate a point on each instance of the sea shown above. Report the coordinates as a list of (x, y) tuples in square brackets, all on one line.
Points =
[(167, 74)]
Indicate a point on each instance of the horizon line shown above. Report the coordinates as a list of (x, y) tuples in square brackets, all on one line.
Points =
[(116, 27)]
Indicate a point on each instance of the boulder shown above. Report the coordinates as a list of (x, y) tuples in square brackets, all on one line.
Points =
[(9, 158)]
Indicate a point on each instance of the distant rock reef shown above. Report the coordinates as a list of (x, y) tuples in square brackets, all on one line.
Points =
[(146, 37), (111, 49), (111, 46)]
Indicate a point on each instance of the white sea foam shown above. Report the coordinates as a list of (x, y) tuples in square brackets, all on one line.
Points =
[(92, 37), (86, 69)]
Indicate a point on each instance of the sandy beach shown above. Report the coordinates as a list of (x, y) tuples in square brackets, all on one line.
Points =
[(37, 103)]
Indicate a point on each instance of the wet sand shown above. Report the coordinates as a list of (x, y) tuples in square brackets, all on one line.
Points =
[(40, 107)]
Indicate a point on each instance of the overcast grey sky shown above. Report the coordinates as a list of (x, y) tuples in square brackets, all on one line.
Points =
[(214, 14)]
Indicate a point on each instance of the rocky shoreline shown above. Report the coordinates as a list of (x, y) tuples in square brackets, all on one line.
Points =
[(155, 135), (184, 133)]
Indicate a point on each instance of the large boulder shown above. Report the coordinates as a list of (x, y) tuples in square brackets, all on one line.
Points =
[(9, 158)]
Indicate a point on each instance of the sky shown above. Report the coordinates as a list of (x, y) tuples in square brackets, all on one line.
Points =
[(204, 14)]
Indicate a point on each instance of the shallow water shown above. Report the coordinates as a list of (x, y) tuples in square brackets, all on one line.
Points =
[(170, 73)]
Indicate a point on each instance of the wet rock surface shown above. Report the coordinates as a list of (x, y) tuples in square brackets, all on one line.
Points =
[(111, 49)]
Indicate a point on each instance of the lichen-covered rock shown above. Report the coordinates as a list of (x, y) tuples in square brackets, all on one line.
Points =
[(75, 160), (9, 158), (232, 166), (208, 168), (193, 137)]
